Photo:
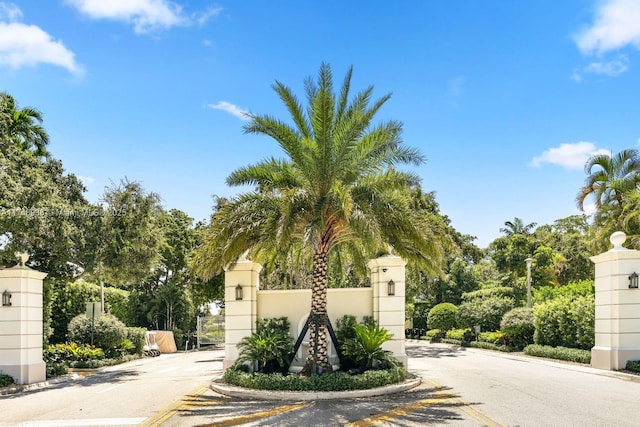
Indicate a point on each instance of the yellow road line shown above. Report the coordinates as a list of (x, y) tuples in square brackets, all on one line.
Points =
[(171, 409), (472, 409), (398, 412), (262, 414)]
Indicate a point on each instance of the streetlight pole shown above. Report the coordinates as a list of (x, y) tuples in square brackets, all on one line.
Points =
[(529, 261)]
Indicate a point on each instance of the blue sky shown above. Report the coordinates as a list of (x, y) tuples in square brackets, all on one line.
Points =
[(506, 99)]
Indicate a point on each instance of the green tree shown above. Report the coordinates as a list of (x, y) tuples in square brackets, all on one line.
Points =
[(517, 226), (337, 187), (22, 126), (610, 178), (130, 235)]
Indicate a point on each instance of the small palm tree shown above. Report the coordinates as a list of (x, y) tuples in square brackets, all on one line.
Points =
[(366, 347)]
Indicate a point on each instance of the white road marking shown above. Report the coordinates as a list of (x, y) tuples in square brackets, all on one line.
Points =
[(82, 423), (109, 389)]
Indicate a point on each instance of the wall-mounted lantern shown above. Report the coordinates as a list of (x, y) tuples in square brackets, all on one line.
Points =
[(6, 299), (238, 293), (633, 280), (391, 288)]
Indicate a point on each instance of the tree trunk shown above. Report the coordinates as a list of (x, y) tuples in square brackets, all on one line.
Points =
[(318, 358)]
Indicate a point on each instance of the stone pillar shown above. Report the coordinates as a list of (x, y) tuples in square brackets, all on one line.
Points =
[(617, 326), (21, 325), (389, 310), (240, 315)]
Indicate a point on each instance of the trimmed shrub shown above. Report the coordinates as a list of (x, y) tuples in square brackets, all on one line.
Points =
[(518, 326), (560, 353), (107, 332), (442, 316), (435, 335), (496, 338), (462, 335), (486, 312)]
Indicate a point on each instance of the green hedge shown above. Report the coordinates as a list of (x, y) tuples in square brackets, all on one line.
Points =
[(490, 346), (462, 335), (567, 321), (336, 381), (106, 332), (496, 338), (560, 353), (70, 299)]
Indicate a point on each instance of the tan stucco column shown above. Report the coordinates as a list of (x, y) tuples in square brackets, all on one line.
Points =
[(617, 326), (388, 309), (21, 325), (240, 314)]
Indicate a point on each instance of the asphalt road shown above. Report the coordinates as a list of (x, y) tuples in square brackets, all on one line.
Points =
[(461, 387)]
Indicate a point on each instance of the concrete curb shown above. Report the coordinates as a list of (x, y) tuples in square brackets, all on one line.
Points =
[(246, 393)]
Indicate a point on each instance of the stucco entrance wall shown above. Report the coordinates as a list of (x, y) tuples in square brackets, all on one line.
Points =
[(617, 328), (384, 301), (21, 325)]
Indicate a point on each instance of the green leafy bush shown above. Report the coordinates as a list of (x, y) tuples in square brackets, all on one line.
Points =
[(137, 338), (443, 316), (462, 335), (486, 312), (106, 331), (518, 326), (5, 380), (435, 335), (566, 321), (560, 353), (633, 366), (546, 293), (270, 347), (366, 347), (336, 381), (496, 338)]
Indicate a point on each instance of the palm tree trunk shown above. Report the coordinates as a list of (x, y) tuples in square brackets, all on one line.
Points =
[(318, 359)]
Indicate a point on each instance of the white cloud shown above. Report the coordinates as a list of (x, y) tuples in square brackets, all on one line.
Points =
[(28, 45), (456, 85), (211, 12), (605, 68), (610, 68), (9, 12), (86, 180), (615, 26), (231, 109), (569, 156), (145, 15)]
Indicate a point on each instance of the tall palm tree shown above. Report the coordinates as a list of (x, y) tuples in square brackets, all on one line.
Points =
[(609, 177), (517, 226), (22, 127), (337, 190)]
